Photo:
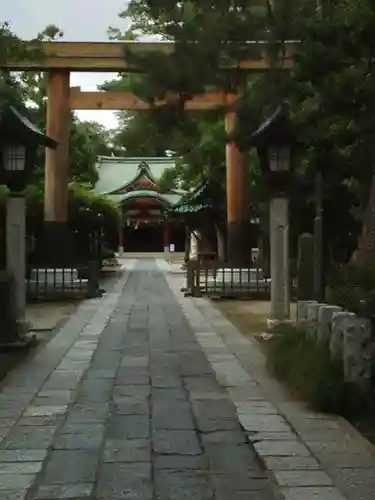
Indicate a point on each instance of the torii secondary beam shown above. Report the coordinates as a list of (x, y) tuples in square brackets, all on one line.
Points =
[(126, 100), (110, 56)]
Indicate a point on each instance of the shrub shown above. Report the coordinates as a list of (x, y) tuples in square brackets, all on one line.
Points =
[(305, 366), (108, 253), (86, 208), (352, 287)]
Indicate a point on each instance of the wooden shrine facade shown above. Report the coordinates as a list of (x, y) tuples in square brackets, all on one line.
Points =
[(133, 184)]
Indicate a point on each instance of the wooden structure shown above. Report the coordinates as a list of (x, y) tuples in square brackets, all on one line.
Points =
[(133, 184), (110, 56), (61, 58)]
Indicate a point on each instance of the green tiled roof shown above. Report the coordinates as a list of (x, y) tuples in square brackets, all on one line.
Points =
[(208, 194), (116, 173)]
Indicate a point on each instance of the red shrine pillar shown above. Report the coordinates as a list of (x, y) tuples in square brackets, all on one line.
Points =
[(58, 244), (166, 241), (238, 225)]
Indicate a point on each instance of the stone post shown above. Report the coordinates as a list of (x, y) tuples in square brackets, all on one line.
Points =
[(318, 267), (357, 351), (16, 249), (302, 308), (166, 240), (220, 244), (279, 242), (339, 323), (325, 317), (187, 244), (121, 240), (312, 317), (305, 267)]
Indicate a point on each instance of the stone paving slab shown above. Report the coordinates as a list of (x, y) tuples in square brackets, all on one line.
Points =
[(37, 398), (310, 455), (123, 404), (145, 394)]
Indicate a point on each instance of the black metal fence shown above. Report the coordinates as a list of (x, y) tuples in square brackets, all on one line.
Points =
[(222, 279), (79, 277), (76, 279)]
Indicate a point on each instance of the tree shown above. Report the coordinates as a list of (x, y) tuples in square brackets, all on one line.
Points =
[(218, 30), (330, 91), (88, 140), (333, 102)]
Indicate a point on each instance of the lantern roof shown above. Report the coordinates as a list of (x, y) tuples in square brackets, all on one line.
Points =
[(276, 127), (14, 125)]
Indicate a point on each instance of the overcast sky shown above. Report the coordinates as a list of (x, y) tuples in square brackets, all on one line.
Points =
[(80, 20)]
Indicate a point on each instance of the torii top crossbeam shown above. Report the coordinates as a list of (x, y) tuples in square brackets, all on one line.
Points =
[(110, 56)]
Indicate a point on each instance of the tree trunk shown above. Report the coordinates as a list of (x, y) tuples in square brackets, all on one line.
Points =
[(365, 252)]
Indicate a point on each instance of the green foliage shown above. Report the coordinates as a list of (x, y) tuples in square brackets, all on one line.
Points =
[(88, 140), (108, 253), (207, 36), (330, 93), (305, 366), (353, 288), (85, 206)]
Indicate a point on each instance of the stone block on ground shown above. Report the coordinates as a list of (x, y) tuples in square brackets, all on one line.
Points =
[(325, 317), (302, 307), (339, 323), (312, 317), (357, 350)]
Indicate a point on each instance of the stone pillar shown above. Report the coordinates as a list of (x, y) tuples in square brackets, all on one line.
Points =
[(16, 249), (238, 224), (187, 243), (58, 244), (220, 244), (357, 351), (302, 311), (279, 242), (166, 241), (121, 240), (339, 323), (312, 317), (325, 317)]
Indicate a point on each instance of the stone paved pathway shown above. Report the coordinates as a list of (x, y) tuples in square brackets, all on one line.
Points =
[(312, 456), (123, 404)]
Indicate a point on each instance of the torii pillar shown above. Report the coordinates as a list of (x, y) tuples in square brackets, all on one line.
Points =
[(58, 244), (238, 225)]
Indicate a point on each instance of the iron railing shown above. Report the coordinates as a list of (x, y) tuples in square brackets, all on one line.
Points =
[(222, 279), (76, 279), (50, 283)]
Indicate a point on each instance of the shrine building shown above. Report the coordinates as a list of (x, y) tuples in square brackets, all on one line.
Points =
[(147, 223)]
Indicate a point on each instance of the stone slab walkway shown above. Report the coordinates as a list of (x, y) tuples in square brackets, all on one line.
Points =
[(123, 404), (147, 395), (312, 456)]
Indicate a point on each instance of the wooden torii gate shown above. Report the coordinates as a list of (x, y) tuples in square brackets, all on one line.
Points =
[(62, 58)]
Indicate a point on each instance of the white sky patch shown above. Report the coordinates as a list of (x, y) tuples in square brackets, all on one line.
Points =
[(80, 21)]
